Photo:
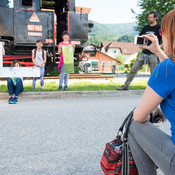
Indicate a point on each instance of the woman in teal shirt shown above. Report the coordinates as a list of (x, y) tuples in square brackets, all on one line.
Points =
[(150, 146)]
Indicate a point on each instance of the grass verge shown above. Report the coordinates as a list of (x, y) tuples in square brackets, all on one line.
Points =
[(82, 86)]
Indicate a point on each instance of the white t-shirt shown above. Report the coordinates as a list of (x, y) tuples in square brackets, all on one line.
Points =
[(39, 59)]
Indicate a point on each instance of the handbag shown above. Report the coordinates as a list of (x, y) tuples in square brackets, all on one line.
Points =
[(117, 158)]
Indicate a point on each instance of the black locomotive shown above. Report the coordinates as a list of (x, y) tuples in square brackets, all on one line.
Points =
[(22, 22)]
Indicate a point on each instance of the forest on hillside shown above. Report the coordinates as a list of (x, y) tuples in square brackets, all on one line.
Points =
[(124, 32)]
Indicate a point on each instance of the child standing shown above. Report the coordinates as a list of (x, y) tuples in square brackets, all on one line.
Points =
[(15, 85), (39, 60), (64, 75)]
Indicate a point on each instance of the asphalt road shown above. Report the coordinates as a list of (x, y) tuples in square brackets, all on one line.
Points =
[(59, 136)]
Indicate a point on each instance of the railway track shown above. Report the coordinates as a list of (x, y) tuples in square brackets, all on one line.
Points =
[(84, 76), (75, 76)]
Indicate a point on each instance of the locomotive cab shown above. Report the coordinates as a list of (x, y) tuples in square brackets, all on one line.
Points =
[(30, 20)]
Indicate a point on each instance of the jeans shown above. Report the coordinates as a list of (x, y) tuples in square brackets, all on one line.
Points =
[(63, 76), (15, 89), (151, 147), (41, 79), (143, 58)]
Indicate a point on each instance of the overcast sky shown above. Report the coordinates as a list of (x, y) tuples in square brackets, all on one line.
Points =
[(110, 11)]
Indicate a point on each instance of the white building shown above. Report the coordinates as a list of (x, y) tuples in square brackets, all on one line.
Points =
[(128, 51)]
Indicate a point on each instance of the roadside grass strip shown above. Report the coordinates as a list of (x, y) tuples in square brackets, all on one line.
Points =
[(81, 85)]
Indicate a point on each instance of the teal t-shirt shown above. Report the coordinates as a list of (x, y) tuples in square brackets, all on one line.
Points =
[(162, 81)]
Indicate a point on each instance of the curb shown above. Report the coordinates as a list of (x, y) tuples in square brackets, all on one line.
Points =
[(73, 94)]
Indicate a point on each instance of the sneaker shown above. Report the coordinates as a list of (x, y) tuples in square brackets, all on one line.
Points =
[(66, 88), (123, 88), (15, 100), (11, 100), (60, 88)]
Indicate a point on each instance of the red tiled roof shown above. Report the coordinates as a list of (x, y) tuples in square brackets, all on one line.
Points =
[(106, 45), (126, 48)]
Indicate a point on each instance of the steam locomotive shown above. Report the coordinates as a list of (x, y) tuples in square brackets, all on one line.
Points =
[(22, 22)]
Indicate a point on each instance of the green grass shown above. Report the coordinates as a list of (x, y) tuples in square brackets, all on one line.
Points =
[(81, 86)]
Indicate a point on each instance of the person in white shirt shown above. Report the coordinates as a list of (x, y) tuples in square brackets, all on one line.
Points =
[(39, 60)]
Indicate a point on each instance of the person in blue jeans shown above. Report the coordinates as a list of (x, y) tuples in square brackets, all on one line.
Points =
[(63, 75), (150, 146), (15, 85), (39, 60)]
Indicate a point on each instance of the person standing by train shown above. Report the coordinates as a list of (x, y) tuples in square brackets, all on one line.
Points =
[(66, 64), (39, 60)]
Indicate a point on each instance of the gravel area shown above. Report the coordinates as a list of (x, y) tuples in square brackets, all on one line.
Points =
[(60, 136)]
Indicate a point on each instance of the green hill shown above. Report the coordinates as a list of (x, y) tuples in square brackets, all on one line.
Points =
[(123, 32), (114, 29)]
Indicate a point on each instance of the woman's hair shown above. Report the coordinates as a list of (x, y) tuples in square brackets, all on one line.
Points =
[(168, 29), (38, 41), (65, 33), (14, 62)]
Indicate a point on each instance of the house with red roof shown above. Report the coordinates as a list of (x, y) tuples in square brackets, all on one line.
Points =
[(101, 62), (128, 51)]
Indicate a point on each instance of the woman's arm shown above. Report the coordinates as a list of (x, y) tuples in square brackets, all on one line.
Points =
[(149, 101), (33, 59), (59, 49), (3, 50)]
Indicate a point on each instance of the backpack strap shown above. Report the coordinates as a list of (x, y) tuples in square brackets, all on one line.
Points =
[(43, 54)]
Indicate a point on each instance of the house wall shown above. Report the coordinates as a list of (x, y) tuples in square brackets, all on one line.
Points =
[(106, 60), (128, 57), (114, 52)]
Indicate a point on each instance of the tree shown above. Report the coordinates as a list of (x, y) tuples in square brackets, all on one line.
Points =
[(121, 59), (126, 38), (146, 6)]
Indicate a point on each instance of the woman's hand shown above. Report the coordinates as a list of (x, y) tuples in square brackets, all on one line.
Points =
[(154, 46), (157, 111)]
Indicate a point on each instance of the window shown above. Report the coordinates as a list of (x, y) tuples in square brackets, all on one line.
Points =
[(27, 2), (114, 51), (48, 4), (95, 65), (103, 64), (92, 54), (113, 63), (108, 64)]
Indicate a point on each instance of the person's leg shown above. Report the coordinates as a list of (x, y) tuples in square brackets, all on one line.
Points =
[(136, 66), (42, 77), (34, 83), (152, 62), (143, 162), (66, 78), (19, 87), (62, 74), (10, 86), (150, 146)]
